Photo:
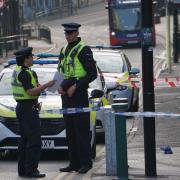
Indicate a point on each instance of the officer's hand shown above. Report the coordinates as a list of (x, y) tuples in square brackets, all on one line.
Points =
[(61, 91), (51, 83), (71, 90)]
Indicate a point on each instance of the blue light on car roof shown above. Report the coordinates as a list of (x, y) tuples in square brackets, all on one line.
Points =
[(46, 55), (40, 61), (105, 47)]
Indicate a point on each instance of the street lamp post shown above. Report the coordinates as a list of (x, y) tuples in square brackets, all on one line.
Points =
[(168, 37), (148, 87), (175, 36)]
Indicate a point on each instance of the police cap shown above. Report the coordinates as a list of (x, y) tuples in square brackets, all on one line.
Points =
[(69, 27), (24, 52)]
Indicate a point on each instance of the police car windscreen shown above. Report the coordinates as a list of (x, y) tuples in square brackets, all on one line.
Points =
[(109, 63), (5, 82)]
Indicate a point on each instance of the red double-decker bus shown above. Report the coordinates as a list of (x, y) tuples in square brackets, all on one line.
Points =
[(125, 22)]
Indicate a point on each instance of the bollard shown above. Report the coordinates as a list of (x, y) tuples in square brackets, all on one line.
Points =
[(110, 143), (121, 140)]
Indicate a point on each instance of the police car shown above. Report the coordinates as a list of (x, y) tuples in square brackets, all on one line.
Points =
[(117, 70), (52, 123)]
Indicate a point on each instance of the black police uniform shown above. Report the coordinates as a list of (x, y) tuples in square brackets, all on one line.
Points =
[(29, 147), (78, 125)]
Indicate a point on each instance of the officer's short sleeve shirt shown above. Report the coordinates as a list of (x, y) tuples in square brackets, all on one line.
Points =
[(25, 78)]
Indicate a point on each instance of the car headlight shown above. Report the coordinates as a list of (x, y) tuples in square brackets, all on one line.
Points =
[(113, 33), (121, 87)]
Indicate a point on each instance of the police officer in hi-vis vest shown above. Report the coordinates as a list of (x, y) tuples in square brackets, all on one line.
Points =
[(79, 69), (26, 90)]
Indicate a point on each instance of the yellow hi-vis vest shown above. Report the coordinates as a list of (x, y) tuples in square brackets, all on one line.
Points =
[(19, 92), (70, 65)]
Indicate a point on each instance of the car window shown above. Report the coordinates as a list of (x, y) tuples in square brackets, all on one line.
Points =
[(109, 63)]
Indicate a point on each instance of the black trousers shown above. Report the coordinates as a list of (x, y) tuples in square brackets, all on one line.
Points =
[(29, 148), (78, 131)]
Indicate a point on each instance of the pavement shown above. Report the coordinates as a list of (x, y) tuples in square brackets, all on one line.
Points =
[(167, 132)]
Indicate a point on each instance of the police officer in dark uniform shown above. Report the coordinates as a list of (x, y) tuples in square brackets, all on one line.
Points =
[(26, 90), (79, 69)]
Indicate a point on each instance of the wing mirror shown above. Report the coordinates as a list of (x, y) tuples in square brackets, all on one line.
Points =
[(134, 71), (96, 93)]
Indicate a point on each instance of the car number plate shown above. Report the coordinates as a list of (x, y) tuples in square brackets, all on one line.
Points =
[(132, 42), (47, 144)]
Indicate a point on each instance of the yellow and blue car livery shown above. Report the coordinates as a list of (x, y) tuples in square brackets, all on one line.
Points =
[(52, 123)]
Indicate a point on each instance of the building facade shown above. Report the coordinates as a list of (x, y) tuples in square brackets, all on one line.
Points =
[(38, 8), (9, 17)]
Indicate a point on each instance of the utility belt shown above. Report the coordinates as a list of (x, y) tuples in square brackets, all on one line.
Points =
[(27, 101), (35, 105)]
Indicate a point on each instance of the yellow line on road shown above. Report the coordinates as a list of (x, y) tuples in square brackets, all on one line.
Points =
[(70, 176), (96, 166), (66, 176)]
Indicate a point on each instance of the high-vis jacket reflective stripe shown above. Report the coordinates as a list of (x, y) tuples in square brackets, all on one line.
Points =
[(19, 92), (70, 65)]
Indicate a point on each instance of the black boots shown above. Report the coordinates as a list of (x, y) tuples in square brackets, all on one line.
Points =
[(68, 169), (84, 169)]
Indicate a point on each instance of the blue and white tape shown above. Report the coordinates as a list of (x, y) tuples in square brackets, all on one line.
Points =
[(95, 108), (148, 114), (135, 114), (75, 110)]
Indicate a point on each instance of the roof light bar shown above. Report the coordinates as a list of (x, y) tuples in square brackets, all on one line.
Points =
[(41, 61), (46, 55), (105, 47)]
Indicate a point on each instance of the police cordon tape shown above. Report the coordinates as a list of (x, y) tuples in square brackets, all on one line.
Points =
[(137, 82), (135, 114), (108, 107), (148, 114), (75, 110), (166, 79)]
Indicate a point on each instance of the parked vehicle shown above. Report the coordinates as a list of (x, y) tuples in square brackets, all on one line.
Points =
[(117, 70), (52, 123)]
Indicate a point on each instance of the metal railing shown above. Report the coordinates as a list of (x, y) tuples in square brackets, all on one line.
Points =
[(11, 43), (44, 33)]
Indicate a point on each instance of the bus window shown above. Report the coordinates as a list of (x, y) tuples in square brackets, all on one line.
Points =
[(125, 23)]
